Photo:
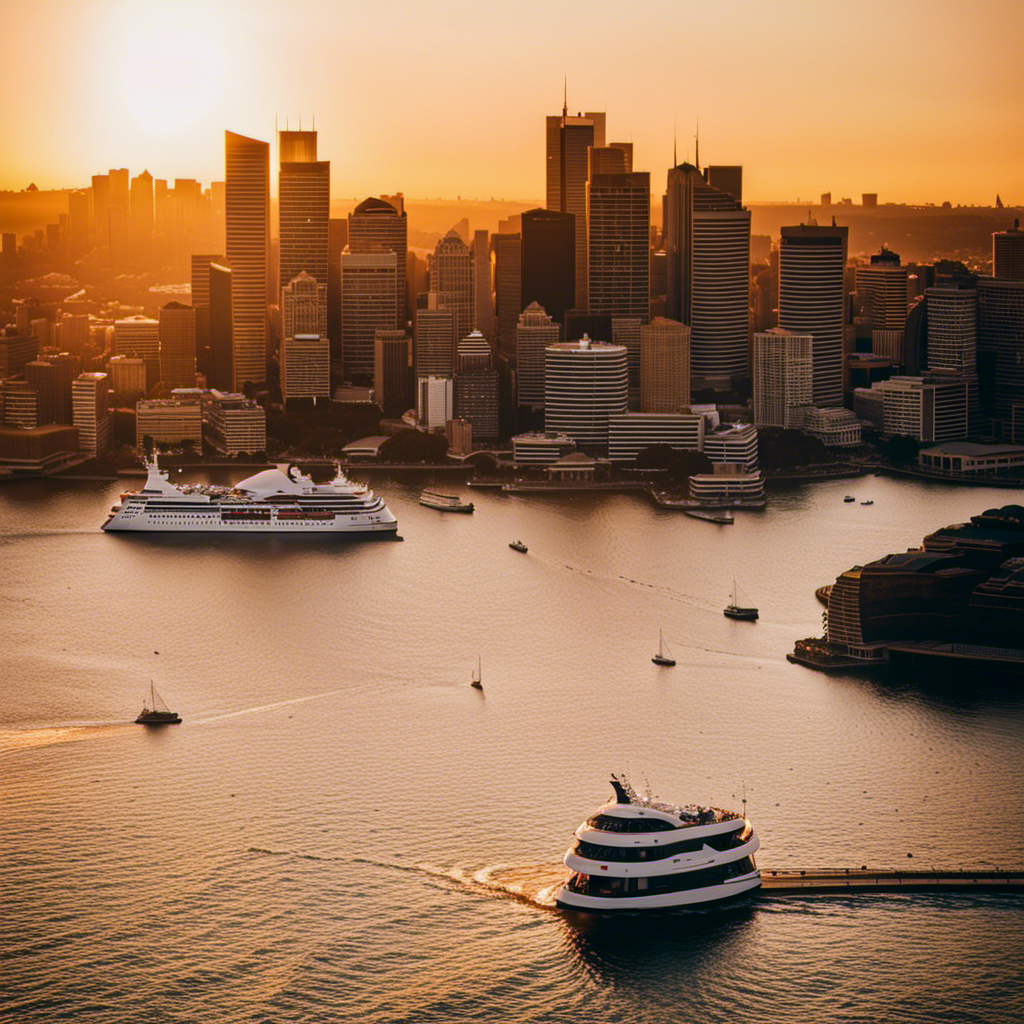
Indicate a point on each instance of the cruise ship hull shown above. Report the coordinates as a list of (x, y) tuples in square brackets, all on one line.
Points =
[(720, 893), (213, 524)]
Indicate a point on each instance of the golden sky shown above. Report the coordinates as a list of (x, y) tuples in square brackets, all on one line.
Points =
[(917, 102)]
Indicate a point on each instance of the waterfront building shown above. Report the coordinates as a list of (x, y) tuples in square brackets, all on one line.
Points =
[(476, 387), (16, 349), (380, 225), (631, 432), (834, 427), (783, 377), (305, 367), (664, 366), (735, 444), (19, 404), (459, 433), (89, 411), (812, 300), (392, 370), (303, 307), (51, 376), (534, 333), (451, 275), (869, 406), (508, 258), (483, 291), (127, 380), (235, 423), (932, 408), (967, 458), (707, 246), (585, 382), (177, 329), (882, 287), (369, 283), (728, 484), (434, 401), (139, 336), (435, 338), (541, 448), (1001, 346), (169, 421), (548, 272), (1008, 254), (618, 240), (247, 234), (39, 449)]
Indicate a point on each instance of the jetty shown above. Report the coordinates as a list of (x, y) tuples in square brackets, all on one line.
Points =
[(833, 881)]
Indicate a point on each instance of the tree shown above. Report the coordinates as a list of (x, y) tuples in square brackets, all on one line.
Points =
[(901, 450), (657, 456), (147, 446), (414, 446)]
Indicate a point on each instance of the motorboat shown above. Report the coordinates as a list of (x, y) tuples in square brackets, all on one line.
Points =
[(518, 545)]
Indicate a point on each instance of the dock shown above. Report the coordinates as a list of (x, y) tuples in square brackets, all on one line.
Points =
[(833, 881)]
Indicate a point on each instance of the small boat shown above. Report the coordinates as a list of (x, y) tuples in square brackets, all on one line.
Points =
[(661, 658), (518, 545), (868, 502), (477, 681), (848, 498), (724, 517), (445, 502), (734, 610), (156, 715)]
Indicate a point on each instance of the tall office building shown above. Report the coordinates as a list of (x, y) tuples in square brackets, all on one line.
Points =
[(392, 370), (451, 275), (337, 239), (380, 225), (569, 140), (52, 377), (100, 207), (508, 258), (783, 377), (883, 288), (369, 285), (119, 192), (585, 382), (435, 339), (219, 363), (476, 387), (127, 380), (664, 366), (726, 178), (812, 261), (247, 244), (1008, 254), (140, 223), (619, 242), (140, 336), (297, 146), (616, 158), (549, 261), (305, 367), (483, 292), (535, 333), (303, 307), (707, 247), (200, 278), (178, 345), (89, 411), (1001, 353), (952, 329)]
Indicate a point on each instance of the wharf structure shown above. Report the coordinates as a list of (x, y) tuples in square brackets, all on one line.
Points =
[(959, 598)]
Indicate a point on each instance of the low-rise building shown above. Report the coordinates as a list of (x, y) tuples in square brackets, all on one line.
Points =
[(169, 421), (729, 484), (735, 444), (630, 433), (38, 449), (835, 428), (965, 457), (541, 448), (235, 424)]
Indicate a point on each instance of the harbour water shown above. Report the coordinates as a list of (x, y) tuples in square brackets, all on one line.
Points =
[(342, 829)]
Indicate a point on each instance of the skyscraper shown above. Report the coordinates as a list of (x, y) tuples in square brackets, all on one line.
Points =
[(305, 367), (89, 411), (369, 284), (549, 261), (568, 165), (392, 370), (435, 339), (200, 277), (140, 336), (304, 211), (783, 377), (1008, 254), (883, 288), (303, 307), (380, 225), (508, 258), (141, 219), (476, 387), (451, 275), (664, 366), (1001, 353), (219, 368), (178, 345), (707, 245), (812, 294), (952, 329), (337, 239), (483, 293), (535, 333), (727, 178), (618, 234), (247, 234)]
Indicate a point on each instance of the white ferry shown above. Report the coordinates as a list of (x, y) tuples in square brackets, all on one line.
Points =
[(272, 501), (636, 853)]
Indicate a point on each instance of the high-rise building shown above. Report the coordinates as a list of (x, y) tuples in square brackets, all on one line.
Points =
[(483, 291), (140, 336), (303, 307), (44, 377), (618, 236), (616, 158), (89, 411), (664, 366), (585, 382), (569, 140), (707, 246), (435, 339), (783, 377), (200, 277), (119, 192), (178, 345), (127, 380), (369, 284), (812, 296), (305, 367), (476, 387), (508, 257), (1001, 353), (237, 424), (882, 287), (1008, 254), (19, 404), (392, 370), (451, 275), (726, 178), (304, 190), (337, 239), (380, 225), (434, 401), (952, 329), (140, 222), (73, 332), (549, 261), (78, 222), (247, 234), (219, 363), (625, 331), (926, 408), (100, 207), (16, 349), (535, 333)]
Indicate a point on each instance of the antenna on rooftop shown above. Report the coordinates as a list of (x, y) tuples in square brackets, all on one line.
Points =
[(696, 139), (565, 96)]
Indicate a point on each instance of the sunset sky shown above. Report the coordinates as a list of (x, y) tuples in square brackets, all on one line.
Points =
[(918, 102)]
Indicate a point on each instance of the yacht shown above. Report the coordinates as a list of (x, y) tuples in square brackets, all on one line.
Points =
[(156, 712), (272, 501), (734, 610), (638, 853), (664, 655), (445, 502)]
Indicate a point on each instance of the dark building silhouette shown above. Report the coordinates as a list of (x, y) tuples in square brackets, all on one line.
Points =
[(337, 239), (1008, 254), (380, 225), (508, 270), (219, 359), (727, 178), (549, 262), (1000, 334)]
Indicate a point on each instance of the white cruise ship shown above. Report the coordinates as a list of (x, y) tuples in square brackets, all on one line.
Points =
[(636, 853), (269, 502)]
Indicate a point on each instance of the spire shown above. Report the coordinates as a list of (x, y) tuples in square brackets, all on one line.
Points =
[(565, 96), (675, 147), (696, 154)]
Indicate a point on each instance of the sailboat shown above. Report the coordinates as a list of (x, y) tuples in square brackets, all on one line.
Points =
[(477, 681), (158, 714), (734, 610), (661, 658)]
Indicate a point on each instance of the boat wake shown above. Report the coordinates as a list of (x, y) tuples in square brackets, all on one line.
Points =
[(14, 740), (265, 707)]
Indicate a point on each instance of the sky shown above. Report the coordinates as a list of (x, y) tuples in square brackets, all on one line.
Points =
[(917, 102)]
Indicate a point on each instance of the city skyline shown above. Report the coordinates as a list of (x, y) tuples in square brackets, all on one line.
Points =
[(884, 115)]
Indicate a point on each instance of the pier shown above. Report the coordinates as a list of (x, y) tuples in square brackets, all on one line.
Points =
[(832, 881)]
